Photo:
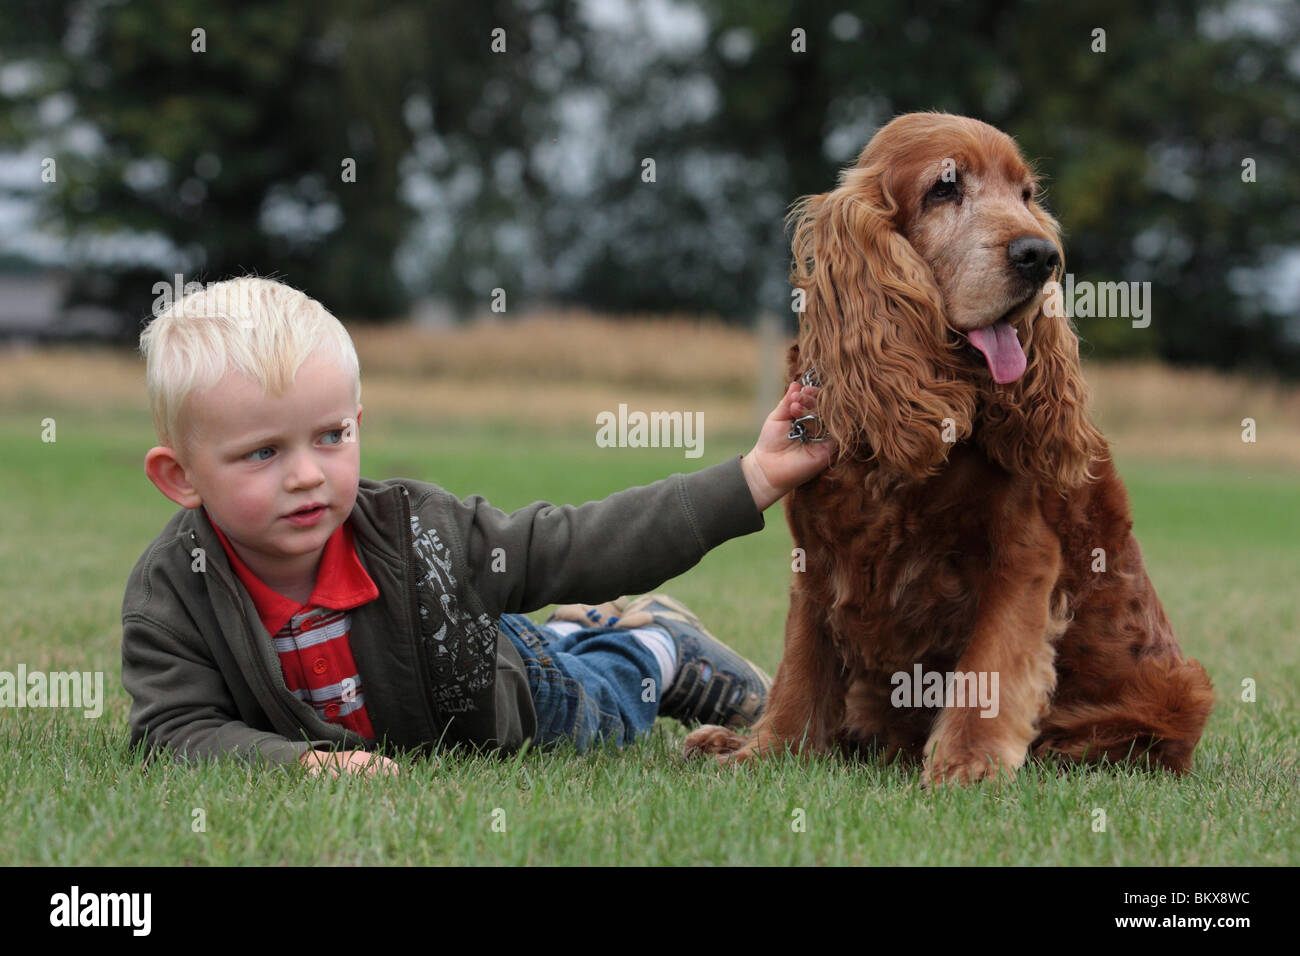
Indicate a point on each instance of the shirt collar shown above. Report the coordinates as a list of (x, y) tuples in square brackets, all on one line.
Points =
[(341, 582)]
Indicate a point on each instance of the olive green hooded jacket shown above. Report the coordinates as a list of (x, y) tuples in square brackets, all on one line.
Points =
[(205, 679)]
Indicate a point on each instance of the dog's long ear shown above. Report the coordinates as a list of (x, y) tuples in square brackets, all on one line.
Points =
[(1040, 424), (872, 325)]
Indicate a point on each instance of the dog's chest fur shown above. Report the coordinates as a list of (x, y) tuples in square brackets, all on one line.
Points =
[(897, 568)]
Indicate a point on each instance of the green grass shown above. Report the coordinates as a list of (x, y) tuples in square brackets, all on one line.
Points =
[(1221, 546)]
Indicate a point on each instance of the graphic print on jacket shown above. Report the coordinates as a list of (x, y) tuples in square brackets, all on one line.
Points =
[(464, 663)]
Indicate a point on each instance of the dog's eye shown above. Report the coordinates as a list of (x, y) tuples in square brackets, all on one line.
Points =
[(1028, 194), (942, 190)]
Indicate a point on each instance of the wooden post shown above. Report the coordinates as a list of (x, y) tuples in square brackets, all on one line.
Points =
[(769, 384)]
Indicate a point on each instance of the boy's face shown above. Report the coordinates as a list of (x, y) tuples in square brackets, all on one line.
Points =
[(254, 460)]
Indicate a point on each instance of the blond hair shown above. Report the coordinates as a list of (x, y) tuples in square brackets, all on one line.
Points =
[(260, 327)]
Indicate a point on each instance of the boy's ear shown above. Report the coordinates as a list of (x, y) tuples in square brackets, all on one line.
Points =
[(168, 475)]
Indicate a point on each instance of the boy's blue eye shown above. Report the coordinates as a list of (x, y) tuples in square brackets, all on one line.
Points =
[(335, 431), (252, 454)]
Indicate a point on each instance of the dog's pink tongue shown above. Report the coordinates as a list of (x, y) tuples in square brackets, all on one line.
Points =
[(1001, 350)]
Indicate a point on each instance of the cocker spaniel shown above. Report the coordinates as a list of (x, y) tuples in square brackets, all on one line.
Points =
[(972, 593)]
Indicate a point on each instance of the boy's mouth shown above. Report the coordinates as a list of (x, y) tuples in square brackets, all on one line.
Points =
[(307, 511)]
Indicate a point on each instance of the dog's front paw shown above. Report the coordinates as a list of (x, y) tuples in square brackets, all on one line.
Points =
[(960, 772), (712, 739), (962, 767)]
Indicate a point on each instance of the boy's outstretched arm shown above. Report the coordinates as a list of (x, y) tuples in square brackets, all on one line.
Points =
[(777, 463), (635, 539)]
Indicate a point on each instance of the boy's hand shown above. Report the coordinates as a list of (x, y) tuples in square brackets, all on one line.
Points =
[(777, 463), (347, 761)]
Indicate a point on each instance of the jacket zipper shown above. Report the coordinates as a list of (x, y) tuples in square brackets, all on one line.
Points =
[(250, 638), (413, 610), (251, 641)]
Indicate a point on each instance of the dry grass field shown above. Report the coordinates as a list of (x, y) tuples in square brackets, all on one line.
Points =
[(556, 371)]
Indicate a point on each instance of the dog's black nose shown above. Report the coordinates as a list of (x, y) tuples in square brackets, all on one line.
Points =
[(1033, 258)]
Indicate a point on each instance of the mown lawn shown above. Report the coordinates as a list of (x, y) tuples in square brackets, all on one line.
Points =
[(1222, 546)]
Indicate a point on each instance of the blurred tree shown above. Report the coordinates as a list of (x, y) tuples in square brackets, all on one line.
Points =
[(263, 138)]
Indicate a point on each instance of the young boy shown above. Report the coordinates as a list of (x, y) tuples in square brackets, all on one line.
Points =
[(294, 611)]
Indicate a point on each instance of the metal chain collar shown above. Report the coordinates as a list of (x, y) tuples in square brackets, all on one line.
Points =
[(798, 430)]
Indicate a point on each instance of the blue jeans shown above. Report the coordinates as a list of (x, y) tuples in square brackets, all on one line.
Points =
[(589, 686)]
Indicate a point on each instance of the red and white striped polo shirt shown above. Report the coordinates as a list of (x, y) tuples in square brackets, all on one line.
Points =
[(312, 639)]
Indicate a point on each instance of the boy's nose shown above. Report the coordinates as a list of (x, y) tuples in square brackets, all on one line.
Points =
[(304, 471)]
